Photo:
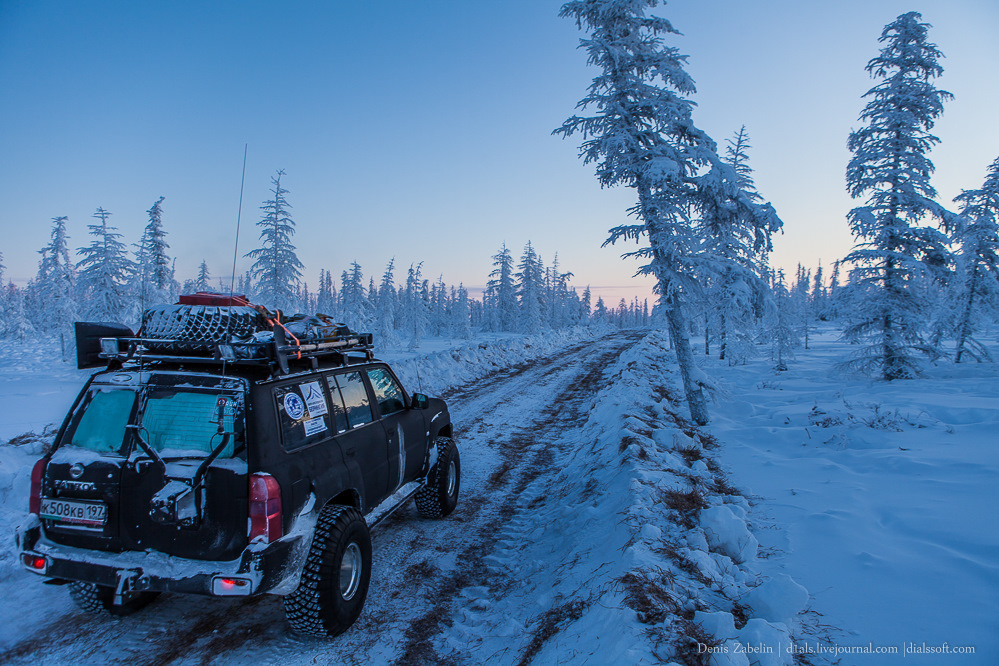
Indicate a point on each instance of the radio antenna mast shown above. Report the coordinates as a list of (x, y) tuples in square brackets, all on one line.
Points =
[(235, 255), (239, 214)]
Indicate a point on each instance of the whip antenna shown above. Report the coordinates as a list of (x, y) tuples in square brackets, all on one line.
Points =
[(235, 255), (239, 214)]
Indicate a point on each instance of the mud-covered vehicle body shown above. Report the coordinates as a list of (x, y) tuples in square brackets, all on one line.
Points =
[(176, 473)]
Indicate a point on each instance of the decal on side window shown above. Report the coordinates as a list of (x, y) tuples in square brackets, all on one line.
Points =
[(302, 414)]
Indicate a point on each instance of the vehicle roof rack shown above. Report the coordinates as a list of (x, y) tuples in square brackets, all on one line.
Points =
[(214, 329)]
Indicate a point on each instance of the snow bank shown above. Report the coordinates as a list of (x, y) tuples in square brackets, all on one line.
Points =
[(437, 372)]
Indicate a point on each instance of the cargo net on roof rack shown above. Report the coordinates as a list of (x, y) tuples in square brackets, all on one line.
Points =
[(198, 328)]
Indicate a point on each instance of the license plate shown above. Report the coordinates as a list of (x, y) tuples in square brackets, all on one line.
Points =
[(91, 514)]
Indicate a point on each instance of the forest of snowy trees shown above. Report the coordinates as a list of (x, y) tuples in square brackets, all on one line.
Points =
[(920, 285), (110, 282)]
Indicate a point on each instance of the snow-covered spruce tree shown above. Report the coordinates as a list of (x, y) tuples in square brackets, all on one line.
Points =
[(51, 297), (353, 299), (889, 166), (154, 272), (204, 280), (978, 259), (501, 293), (530, 283), (385, 313), (781, 331), (642, 136), (276, 268), (104, 273), (736, 235), (461, 324), (14, 324)]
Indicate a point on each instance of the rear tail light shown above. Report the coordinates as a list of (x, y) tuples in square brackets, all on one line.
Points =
[(265, 508), (225, 586), (35, 499), (35, 563)]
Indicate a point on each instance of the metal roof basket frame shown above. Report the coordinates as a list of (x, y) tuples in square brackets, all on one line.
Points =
[(236, 334)]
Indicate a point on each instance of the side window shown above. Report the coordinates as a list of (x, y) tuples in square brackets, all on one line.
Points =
[(303, 414), (336, 404), (388, 393), (355, 398)]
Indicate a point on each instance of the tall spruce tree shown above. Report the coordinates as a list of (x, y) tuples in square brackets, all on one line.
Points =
[(642, 136), (52, 294), (530, 281), (501, 293), (154, 273), (891, 276), (276, 268), (978, 236), (104, 273)]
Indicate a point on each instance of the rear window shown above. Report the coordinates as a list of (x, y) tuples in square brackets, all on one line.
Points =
[(100, 423), (189, 421)]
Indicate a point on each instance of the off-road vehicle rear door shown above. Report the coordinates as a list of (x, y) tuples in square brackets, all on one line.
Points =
[(184, 487)]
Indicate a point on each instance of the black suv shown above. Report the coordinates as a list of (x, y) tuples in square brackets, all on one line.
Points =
[(225, 451)]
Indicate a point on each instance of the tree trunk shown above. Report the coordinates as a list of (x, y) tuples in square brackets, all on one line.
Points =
[(707, 344), (685, 359), (724, 338), (964, 328)]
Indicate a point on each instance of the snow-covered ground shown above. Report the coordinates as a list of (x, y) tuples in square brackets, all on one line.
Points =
[(881, 498), (598, 526)]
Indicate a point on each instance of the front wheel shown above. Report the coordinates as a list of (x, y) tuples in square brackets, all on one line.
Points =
[(439, 495), (335, 579)]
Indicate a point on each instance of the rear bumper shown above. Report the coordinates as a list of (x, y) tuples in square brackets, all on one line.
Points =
[(264, 568)]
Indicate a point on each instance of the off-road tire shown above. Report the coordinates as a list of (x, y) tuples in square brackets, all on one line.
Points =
[(439, 495), (94, 598), (318, 606)]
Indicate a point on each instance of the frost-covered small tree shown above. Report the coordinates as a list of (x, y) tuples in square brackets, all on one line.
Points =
[(736, 236), (276, 268), (461, 324), (204, 280), (641, 135), (353, 300), (387, 306), (501, 293), (890, 167), (978, 237), (51, 297), (154, 271), (780, 324), (104, 273), (530, 283)]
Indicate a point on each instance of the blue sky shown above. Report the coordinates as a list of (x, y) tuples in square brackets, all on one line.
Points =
[(422, 131)]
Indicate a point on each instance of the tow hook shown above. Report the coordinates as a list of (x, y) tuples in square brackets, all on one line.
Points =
[(124, 584)]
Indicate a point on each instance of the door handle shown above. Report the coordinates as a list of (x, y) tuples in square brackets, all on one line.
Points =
[(350, 451)]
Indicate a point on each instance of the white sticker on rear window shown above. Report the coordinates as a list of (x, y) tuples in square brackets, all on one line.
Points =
[(314, 399), (312, 426)]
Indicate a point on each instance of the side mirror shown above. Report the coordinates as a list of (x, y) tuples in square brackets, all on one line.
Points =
[(420, 401)]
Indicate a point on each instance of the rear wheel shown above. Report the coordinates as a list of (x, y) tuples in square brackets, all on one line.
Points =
[(335, 579), (439, 495), (94, 598)]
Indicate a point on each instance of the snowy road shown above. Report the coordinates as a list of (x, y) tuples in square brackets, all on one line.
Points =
[(513, 427)]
